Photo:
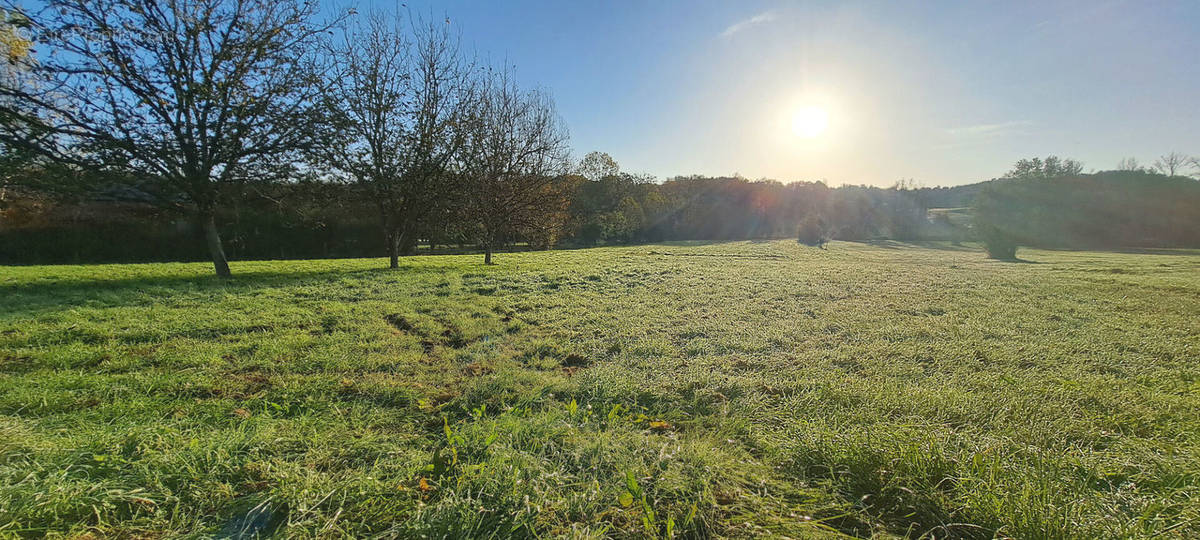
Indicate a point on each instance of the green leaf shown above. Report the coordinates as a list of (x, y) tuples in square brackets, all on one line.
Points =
[(625, 498), (631, 483)]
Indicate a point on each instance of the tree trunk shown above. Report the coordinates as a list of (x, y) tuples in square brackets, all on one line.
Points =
[(487, 254), (213, 238), (393, 246)]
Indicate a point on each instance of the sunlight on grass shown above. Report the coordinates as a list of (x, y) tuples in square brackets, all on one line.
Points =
[(737, 389)]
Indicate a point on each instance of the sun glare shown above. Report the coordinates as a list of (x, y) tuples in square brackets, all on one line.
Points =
[(810, 122)]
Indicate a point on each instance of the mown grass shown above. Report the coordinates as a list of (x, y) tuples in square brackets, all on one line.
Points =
[(692, 390)]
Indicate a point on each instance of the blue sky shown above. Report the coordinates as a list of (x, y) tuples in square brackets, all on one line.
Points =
[(941, 92)]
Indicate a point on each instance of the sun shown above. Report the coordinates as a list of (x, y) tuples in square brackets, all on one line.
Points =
[(810, 122)]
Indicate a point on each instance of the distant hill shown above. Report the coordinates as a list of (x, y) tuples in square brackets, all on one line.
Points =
[(952, 197)]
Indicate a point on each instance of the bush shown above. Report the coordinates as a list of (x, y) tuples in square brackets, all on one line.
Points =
[(998, 243), (1001, 213), (813, 231)]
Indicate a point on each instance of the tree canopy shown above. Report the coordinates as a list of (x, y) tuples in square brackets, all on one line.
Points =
[(191, 97)]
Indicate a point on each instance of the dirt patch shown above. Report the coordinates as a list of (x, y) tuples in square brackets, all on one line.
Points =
[(451, 336), (244, 385), (476, 369)]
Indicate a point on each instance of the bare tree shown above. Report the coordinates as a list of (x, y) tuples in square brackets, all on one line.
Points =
[(400, 96), (517, 146), (1172, 164), (1130, 164), (192, 97)]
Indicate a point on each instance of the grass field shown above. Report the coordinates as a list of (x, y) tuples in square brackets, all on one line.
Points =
[(732, 390)]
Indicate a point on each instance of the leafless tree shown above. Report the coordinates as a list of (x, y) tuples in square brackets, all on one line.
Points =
[(1130, 164), (399, 95), (1172, 164), (517, 146), (193, 97)]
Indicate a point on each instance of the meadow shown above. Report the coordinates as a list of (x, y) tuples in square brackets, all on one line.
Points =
[(741, 389)]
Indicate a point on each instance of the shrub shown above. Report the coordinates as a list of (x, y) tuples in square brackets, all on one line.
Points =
[(1001, 211), (813, 231), (998, 243)]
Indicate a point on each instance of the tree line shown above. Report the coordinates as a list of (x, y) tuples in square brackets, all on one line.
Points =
[(138, 129), (600, 205), (312, 218), (1041, 204)]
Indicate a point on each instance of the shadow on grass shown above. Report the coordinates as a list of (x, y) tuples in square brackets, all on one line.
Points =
[(1014, 260), (940, 246), (1135, 251), (672, 243)]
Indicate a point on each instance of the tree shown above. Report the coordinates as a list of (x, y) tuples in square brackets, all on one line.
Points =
[(191, 97), (1051, 167), (550, 223), (15, 60), (1173, 163), (517, 147), (400, 106), (1129, 164), (813, 231), (15, 46), (596, 166)]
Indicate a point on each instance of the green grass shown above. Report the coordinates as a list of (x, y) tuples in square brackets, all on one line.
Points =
[(730, 390)]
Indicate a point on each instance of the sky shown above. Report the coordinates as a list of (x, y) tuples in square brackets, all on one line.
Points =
[(942, 93)]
